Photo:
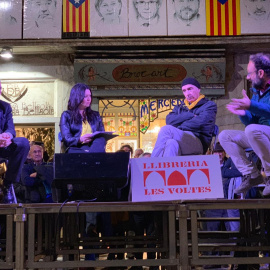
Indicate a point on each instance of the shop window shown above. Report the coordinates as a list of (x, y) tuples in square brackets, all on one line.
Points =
[(120, 116), (136, 121)]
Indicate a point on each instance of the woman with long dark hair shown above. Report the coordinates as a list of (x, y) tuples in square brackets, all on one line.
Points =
[(79, 122), (77, 125)]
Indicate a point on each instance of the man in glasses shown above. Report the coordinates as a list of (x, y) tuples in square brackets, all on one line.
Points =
[(255, 115)]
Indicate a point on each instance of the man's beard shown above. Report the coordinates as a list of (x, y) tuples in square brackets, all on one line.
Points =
[(258, 83), (191, 14), (260, 14), (47, 22)]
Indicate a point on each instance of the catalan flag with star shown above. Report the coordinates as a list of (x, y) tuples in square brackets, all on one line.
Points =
[(76, 16), (223, 17)]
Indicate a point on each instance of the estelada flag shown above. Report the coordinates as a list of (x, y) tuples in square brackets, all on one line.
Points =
[(76, 16), (223, 17)]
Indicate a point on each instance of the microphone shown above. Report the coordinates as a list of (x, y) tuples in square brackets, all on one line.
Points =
[(69, 190)]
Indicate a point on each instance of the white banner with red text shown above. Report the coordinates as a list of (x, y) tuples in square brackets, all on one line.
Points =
[(176, 178)]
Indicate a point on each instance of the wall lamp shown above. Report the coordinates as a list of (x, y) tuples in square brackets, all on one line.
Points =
[(6, 53)]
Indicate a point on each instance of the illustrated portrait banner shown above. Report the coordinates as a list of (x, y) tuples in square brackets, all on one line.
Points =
[(11, 19), (108, 18), (186, 17), (255, 16), (42, 19), (147, 17)]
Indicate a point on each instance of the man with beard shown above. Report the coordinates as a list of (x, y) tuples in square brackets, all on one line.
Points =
[(43, 12), (186, 11), (255, 115), (258, 9)]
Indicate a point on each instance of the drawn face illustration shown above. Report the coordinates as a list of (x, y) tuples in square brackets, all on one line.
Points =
[(109, 10), (147, 9), (186, 9), (7, 9), (258, 9), (43, 12)]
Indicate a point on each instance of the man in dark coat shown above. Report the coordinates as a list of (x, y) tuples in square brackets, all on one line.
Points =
[(36, 178), (189, 127), (13, 149)]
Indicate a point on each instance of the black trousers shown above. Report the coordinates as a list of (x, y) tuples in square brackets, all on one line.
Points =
[(16, 154)]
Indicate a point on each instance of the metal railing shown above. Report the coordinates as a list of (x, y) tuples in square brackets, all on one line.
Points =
[(52, 236), (201, 247)]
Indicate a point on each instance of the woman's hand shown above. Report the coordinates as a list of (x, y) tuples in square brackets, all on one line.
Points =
[(87, 138)]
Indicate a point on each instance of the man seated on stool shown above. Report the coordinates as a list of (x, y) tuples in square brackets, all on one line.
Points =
[(13, 149), (255, 115), (35, 184), (189, 126)]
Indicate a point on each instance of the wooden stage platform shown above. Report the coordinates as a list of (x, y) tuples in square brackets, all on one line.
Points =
[(52, 236)]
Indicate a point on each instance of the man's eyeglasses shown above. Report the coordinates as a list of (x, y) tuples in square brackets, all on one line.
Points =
[(249, 73), (144, 3)]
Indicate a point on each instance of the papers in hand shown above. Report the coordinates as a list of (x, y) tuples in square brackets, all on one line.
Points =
[(106, 134)]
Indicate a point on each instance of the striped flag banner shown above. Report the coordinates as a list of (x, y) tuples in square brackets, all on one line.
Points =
[(223, 17), (76, 16)]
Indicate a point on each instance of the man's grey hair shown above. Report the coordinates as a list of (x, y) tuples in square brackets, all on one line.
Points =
[(98, 4), (261, 61)]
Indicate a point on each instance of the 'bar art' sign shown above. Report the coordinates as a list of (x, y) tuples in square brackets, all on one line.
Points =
[(176, 178), (147, 71)]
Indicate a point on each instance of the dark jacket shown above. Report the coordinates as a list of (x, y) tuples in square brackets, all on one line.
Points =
[(200, 120), (6, 120), (30, 189), (228, 170), (71, 132), (259, 111)]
